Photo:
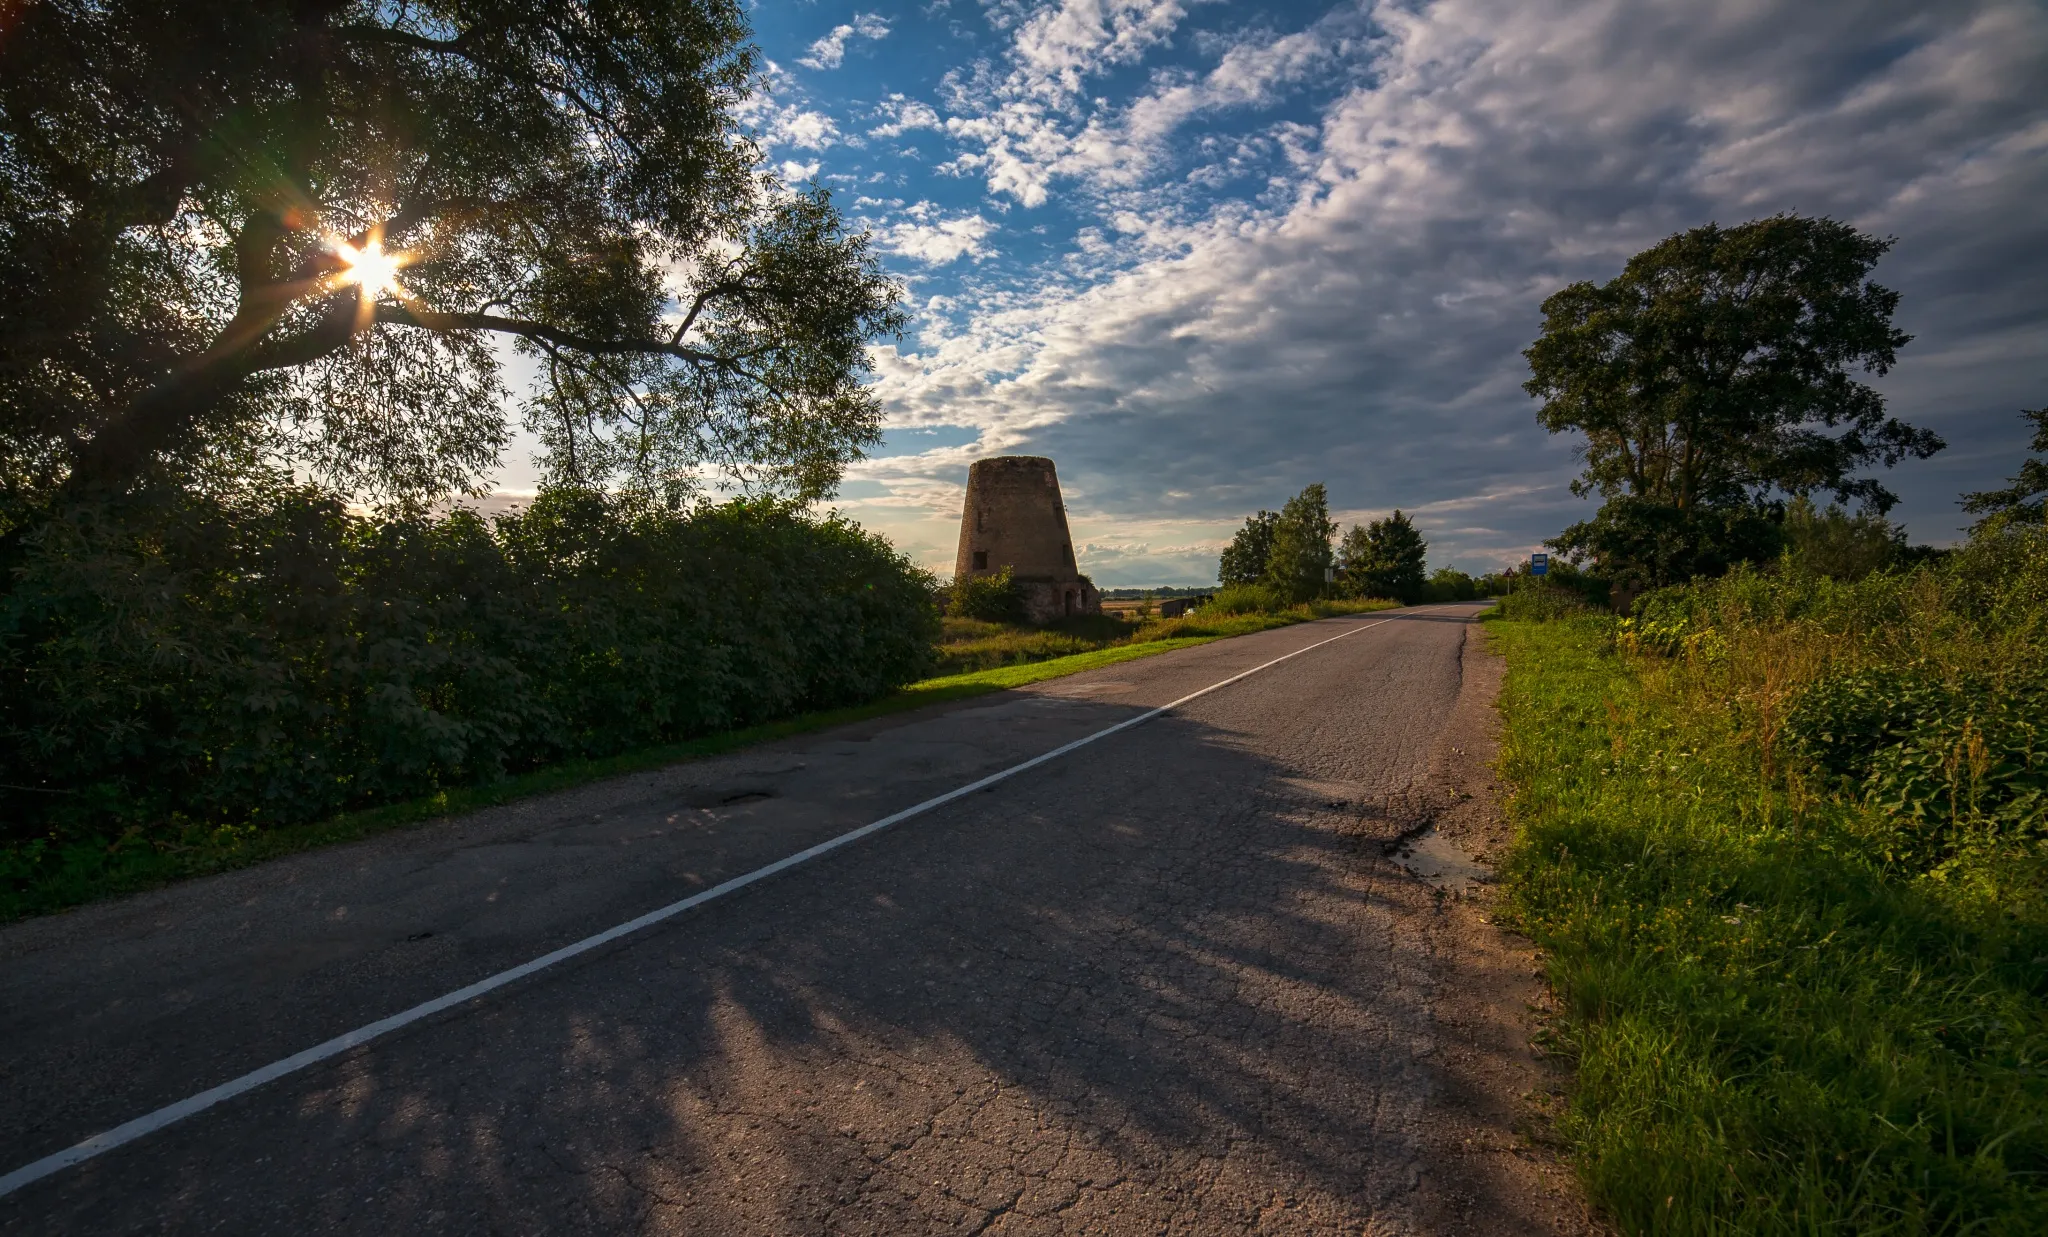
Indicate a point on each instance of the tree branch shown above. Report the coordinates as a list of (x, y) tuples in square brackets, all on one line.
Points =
[(433, 320), (461, 45), (335, 328)]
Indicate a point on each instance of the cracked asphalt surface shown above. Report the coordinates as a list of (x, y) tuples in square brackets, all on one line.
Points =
[(1168, 983)]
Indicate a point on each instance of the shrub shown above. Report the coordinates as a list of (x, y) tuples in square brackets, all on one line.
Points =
[(1449, 584), (991, 599), (1832, 542), (1542, 603), (1246, 599), (267, 658)]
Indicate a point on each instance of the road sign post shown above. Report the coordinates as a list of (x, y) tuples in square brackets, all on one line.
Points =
[(1539, 564)]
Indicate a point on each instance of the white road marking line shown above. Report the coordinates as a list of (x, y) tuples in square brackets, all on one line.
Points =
[(173, 1113)]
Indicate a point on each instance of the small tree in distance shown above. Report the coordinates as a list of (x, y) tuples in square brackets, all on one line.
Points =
[(1244, 559), (1386, 558), (1839, 545), (1299, 562)]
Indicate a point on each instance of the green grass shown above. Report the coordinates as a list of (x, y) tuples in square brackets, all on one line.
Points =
[(1777, 1029), (37, 879), (971, 644)]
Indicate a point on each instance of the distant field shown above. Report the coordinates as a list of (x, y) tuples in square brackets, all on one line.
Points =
[(1139, 609)]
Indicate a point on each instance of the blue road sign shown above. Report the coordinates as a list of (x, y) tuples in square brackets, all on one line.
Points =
[(1539, 564)]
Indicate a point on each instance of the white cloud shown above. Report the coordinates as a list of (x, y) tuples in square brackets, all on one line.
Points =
[(795, 172), (935, 240), (830, 51), (1063, 43), (904, 115), (1032, 126), (810, 130)]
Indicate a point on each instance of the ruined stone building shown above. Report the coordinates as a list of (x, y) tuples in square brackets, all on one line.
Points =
[(1014, 518)]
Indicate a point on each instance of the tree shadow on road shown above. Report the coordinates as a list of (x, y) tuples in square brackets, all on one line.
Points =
[(1165, 982)]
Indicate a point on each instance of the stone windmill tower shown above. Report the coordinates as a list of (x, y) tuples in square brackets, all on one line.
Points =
[(1014, 518)]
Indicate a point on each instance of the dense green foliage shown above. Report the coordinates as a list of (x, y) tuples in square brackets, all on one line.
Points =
[(206, 224), (1715, 373), (1244, 559), (1450, 584), (1299, 562), (1246, 599), (1286, 552), (1542, 602), (1839, 545), (265, 657), (989, 599), (1162, 592), (1785, 841), (1636, 544), (1385, 558), (1565, 587)]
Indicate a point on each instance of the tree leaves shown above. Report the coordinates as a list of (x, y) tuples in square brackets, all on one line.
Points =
[(1716, 372), (1244, 559), (1385, 558), (1299, 559)]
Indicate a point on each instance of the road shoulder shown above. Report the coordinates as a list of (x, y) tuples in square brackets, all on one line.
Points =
[(1495, 1167)]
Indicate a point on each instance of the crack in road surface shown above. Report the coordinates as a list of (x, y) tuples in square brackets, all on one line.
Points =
[(1167, 983)]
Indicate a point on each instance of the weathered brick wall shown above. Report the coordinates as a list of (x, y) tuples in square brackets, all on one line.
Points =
[(1014, 518)]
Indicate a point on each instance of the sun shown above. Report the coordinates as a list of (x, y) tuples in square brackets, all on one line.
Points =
[(372, 268)]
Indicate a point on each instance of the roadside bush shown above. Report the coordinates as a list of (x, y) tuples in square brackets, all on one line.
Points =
[(989, 599), (267, 658), (1449, 584), (1246, 599), (1541, 603), (1832, 542)]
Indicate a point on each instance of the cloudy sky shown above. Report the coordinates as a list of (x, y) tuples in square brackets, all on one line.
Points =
[(1202, 254)]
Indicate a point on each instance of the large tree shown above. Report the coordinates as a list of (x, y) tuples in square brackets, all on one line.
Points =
[(299, 231), (1715, 375)]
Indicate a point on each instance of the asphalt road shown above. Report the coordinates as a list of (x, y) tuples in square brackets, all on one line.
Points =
[(1161, 984)]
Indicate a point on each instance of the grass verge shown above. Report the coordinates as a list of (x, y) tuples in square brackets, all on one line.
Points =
[(37, 879), (969, 644), (1778, 1028)]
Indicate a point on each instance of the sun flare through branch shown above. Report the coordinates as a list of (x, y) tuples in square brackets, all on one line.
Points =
[(371, 267)]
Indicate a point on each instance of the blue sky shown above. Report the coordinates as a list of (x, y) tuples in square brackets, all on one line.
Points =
[(1202, 254)]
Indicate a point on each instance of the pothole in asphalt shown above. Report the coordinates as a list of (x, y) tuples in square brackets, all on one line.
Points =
[(1440, 861)]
